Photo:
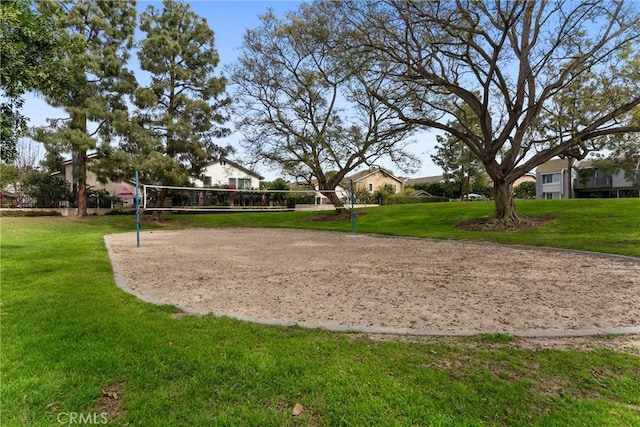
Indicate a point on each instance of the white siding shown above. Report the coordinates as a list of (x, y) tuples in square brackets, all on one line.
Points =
[(221, 172), (554, 187)]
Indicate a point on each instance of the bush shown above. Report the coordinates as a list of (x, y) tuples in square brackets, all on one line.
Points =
[(47, 191), (28, 212), (405, 200), (526, 190)]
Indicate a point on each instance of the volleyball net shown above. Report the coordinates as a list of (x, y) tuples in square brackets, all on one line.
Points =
[(223, 199)]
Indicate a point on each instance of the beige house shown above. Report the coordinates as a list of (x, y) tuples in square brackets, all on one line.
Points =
[(527, 177), (114, 188), (374, 179)]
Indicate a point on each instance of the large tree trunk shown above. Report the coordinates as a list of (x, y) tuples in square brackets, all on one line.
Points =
[(334, 199), (505, 212), (569, 180), (160, 202), (82, 183)]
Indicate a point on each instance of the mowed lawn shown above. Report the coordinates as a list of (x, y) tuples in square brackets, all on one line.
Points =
[(76, 348)]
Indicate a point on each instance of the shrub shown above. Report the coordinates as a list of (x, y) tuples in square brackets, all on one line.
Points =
[(28, 212), (405, 200)]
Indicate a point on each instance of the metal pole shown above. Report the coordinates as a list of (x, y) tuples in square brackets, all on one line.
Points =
[(137, 213), (353, 212)]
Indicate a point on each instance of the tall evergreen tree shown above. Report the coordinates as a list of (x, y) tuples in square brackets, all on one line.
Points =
[(458, 163), (92, 81), (181, 112)]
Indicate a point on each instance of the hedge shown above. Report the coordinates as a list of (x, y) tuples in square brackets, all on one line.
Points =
[(405, 200)]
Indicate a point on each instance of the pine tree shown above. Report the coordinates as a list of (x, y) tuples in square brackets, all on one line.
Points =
[(181, 112), (92, 79)]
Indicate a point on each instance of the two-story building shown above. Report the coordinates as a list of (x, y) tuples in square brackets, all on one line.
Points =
[(556, 180), (592, 182), (225, 172), (114, 188)]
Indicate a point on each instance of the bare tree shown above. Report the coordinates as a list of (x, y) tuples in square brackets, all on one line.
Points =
[(508, 63), (307, 105)]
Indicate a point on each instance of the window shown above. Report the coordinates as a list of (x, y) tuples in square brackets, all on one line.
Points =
[(223, 163), (370, 188), (549, 178), (233, 183), (244, 184), (207, 181), (394, 187)]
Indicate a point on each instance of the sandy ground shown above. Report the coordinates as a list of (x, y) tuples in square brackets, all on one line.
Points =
[(361, 281)]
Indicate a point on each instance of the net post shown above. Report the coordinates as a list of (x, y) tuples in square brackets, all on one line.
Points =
[(353, 212), (137, 212)]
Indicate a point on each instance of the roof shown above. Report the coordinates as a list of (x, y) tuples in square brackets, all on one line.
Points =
[(552, 166), (421, 193), (237, 166), (425, 180), (359, 176), (586, 163), (89, 156)]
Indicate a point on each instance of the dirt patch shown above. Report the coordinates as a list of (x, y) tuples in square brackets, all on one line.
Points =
[(109, 402), (488, 224), (361, 281), (628, 343)]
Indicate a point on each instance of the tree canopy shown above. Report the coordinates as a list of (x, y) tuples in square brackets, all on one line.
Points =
[(509, 65), (91, 81), (172, 133), (306, 104), (28, 44)]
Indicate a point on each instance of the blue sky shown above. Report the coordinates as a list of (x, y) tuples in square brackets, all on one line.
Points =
[(229, 20)]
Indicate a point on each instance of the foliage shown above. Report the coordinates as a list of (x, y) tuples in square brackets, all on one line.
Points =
[(171, 135), (8, 175), (92, 79), (47, 191), (277, 184), (29, 43), (363, 196), (526, 190), (505, 66), (100, 198), (27, 213), (440, 189), (306, 105), (381, 195), (624, 157), (405, 200), (458, 162), (479, 186)]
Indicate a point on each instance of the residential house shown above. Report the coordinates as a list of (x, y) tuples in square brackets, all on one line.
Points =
[(592, 182), (112, 187), (553, 181), (374, 179), (226, 172), (411, 182), (527, 177), (371, 180), (9, 197)]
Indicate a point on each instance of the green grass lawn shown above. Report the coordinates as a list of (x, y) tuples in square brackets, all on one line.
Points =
[(75, 345)]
